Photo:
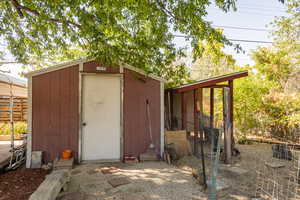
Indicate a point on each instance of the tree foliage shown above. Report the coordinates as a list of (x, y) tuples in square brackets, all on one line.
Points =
[(139, 33), (262, 103), (212, 62)]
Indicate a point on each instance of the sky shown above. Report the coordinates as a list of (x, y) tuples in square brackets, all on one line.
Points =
[(250, 14)]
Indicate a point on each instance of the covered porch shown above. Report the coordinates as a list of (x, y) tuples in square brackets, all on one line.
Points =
[(184, 109)]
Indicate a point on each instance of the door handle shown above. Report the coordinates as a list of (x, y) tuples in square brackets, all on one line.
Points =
[(83, 124)]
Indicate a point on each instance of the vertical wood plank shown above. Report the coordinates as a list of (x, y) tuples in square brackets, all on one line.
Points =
[(171, 109), (183, 111)]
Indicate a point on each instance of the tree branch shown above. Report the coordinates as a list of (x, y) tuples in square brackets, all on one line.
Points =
[(20, 7)]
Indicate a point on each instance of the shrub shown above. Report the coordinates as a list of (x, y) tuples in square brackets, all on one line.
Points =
[(19, 128)]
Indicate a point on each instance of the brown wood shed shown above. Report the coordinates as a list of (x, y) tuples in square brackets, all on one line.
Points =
[(97, 111)]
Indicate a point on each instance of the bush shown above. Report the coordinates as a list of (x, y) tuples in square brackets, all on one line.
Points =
[(19, 128)]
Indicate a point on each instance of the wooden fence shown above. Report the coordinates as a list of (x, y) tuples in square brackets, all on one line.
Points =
[(20, 108)]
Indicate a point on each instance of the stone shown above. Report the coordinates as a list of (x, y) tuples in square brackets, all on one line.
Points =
[(234, 170), (109, 170), (221, 184), (36, 159), (95, 188), (72, 196), (115, 182), (91, 172), (275, 164), (75, 172), (47, 166)]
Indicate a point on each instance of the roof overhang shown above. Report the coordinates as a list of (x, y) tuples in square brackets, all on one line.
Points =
[(210, 81), (81, 61)]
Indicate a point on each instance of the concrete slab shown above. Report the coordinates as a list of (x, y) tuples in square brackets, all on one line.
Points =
[(118, 181), (96, 189)]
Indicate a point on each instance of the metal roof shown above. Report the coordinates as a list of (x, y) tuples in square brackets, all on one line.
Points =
[(211, 81)]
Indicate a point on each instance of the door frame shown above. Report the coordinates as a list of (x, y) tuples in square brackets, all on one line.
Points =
[(80, 138)]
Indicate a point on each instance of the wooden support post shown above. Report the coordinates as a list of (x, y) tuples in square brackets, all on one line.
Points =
[(196, 122), (231, 112), (212, 102), (201, 124), (227, 125)]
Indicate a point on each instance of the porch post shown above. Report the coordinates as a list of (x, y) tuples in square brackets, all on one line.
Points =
[(227, 125), (196, 121), (212, 102), (231, 111)]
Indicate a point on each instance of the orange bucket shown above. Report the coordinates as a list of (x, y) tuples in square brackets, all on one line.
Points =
[(66, 154)]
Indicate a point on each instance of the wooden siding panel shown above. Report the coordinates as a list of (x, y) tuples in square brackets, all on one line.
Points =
[(55, 112), (91, 67), (137, 89)]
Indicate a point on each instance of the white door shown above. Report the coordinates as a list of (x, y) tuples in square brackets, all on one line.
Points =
[(101, 117)]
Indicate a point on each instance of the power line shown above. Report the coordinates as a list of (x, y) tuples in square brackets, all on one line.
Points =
[(242, 28), (263, 9), (235, 40), (247, 12), (251, 41), (260, 6)]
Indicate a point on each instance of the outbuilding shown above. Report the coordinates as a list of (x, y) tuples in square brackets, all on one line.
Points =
[(97, 111)]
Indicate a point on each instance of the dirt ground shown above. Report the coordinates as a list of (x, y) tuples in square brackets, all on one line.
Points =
[(21, 183), (252, 159)]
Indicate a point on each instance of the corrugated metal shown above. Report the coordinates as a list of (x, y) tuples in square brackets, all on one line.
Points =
[(92, 67), (137, 89), (55, 112)]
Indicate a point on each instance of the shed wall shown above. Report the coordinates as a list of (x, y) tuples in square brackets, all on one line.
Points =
[(190, 110), (137, 89), (91, 66), (55, 112), (176, 118)]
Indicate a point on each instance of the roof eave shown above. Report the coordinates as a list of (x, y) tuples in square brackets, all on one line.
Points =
[(211, 81), (79, 61)]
